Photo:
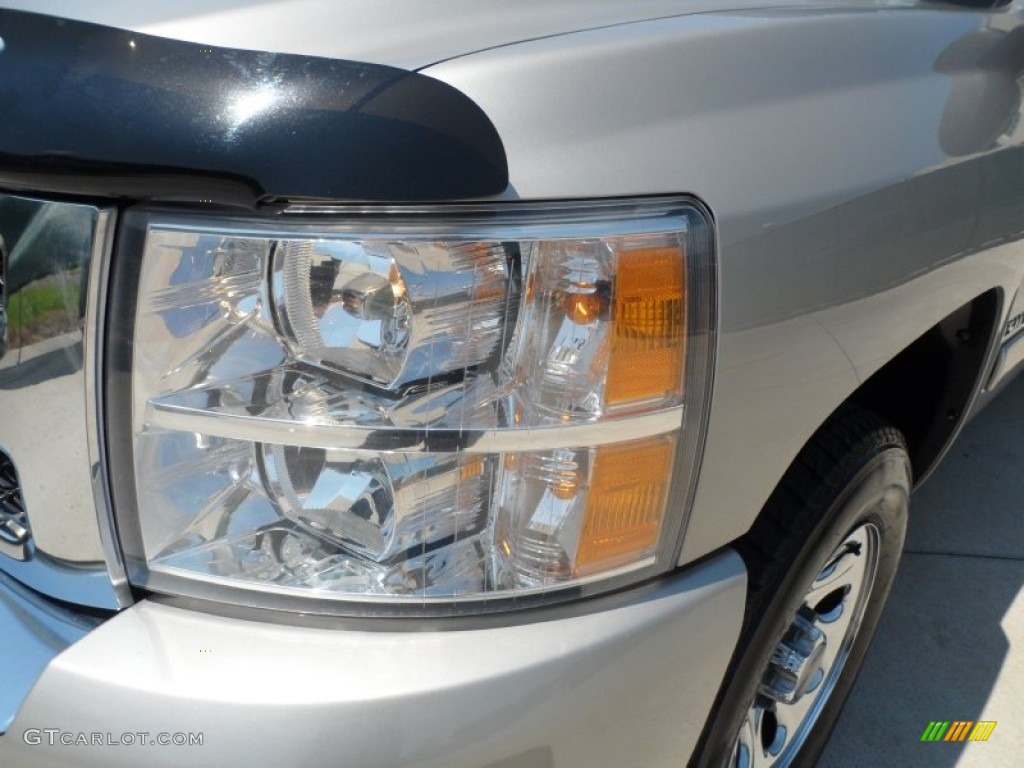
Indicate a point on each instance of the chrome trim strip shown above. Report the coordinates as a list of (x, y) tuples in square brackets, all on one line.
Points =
[(1008, 358), (167, 415), (457, 214), (69, 582), (47, 398), (93, 340), (515, 220)]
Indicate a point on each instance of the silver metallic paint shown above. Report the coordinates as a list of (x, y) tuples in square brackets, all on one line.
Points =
[(393, 32), (838, 150), (549, 692), (842, 156)]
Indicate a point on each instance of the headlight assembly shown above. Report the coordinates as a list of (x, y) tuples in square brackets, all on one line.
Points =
[(425, 408)]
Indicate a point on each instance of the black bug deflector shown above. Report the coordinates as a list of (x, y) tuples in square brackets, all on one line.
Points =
[(88, 109)]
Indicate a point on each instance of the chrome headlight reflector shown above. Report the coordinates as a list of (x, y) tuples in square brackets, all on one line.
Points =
[(413, 407)]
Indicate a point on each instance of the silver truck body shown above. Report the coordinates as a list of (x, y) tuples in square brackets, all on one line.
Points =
[(864, 164)]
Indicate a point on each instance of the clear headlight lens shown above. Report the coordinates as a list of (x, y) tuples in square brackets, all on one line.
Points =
[(391, 312), (416, 407)]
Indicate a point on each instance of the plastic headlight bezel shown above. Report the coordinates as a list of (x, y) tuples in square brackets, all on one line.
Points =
[(512, 220)]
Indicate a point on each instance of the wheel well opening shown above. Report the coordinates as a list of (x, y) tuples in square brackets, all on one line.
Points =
[(925, 390)]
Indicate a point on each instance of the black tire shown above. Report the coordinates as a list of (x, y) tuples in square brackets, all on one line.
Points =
[(851, 482)]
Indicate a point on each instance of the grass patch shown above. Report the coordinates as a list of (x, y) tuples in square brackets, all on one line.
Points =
[(43, 309)]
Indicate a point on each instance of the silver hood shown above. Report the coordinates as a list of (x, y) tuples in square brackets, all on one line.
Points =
[(402, 33)]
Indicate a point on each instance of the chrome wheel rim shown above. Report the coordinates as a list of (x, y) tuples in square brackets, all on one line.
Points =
[(807, 662)]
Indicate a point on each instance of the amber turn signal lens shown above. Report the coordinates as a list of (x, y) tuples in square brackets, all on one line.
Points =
[(648, 326), (629, 486)]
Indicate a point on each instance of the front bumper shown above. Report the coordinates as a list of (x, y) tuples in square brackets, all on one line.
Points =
[(630, 684)]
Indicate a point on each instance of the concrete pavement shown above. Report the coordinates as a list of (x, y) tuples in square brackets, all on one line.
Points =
[(950, 645)]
